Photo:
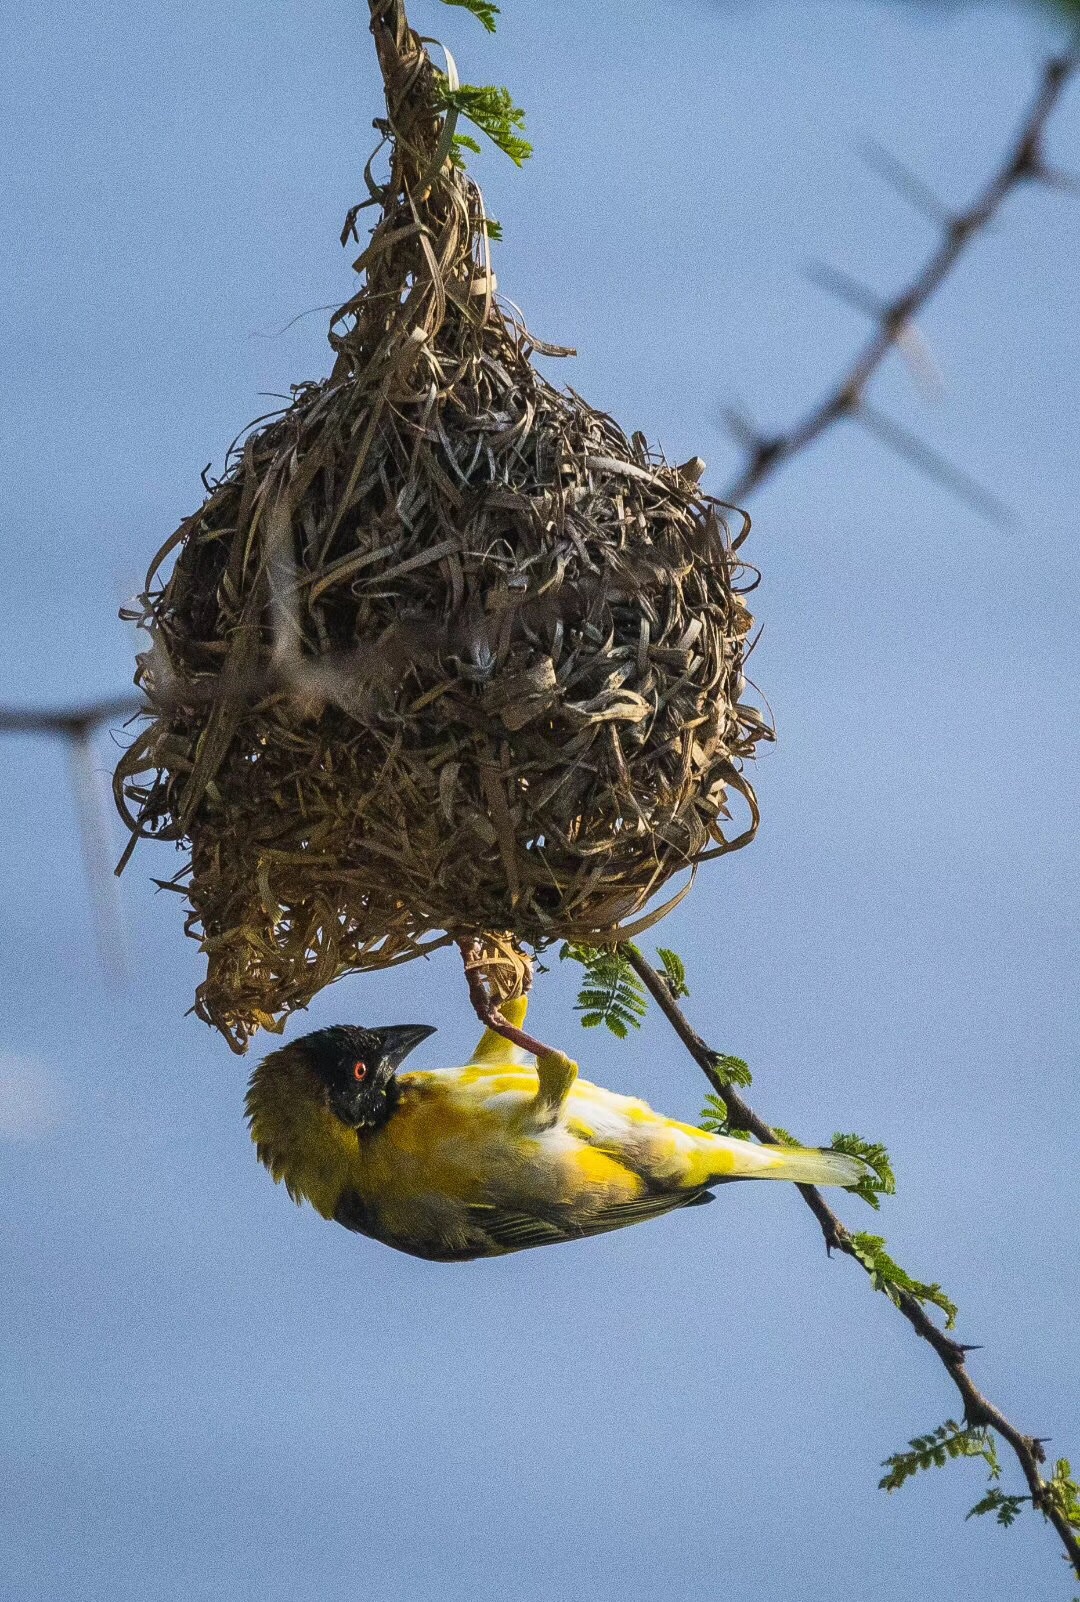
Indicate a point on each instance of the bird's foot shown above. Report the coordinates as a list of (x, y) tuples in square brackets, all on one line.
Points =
[(556, 1072)]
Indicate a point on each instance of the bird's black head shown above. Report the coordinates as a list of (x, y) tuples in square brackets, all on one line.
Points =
[(357, 1066)]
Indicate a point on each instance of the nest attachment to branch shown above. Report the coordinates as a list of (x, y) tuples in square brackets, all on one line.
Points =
[(444, 656)]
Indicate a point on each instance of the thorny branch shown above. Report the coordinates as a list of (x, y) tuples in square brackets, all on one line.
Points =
[(75, 723), (894, 321), (978, 1410)]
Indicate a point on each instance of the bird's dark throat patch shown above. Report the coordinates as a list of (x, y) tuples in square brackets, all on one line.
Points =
[(356, 1068), (377, 1110)]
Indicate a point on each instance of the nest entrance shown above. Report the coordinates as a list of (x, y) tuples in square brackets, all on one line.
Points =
[(444, 655)]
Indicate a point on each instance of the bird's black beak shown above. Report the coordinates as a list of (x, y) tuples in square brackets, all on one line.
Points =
[(397, 1040)]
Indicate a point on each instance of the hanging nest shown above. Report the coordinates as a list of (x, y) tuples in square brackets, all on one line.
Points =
[(444, 655)]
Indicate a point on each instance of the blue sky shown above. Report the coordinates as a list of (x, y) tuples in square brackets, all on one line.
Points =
[(210, 1394)]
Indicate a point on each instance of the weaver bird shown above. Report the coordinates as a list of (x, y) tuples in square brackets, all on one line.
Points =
[(455, 1163)]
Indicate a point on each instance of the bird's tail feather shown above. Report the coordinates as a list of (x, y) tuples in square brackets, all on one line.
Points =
[(742, 1159)]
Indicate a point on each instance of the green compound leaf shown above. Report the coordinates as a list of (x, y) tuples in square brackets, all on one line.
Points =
[(887, 1275), (731, 1070), (947, 1441), (882, 1181), (674, 972), (482, 10), (1006, 1509), (950, 1441), (1062, 1493), (714, 1120), (490, 108), (612, 993), (714, 1116)]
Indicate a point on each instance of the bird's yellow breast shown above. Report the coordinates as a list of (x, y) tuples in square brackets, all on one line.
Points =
[(460, 1134), (465, 1131)]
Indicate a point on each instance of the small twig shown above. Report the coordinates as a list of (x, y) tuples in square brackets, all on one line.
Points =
[(1025, 161), (978, 1410)]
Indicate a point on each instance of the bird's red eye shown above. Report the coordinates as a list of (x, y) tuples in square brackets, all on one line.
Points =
[(359, 1072)]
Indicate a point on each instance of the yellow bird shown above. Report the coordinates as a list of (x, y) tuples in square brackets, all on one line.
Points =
[(455, 1163)]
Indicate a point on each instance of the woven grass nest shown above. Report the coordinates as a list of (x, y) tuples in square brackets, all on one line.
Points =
[(444, 655)]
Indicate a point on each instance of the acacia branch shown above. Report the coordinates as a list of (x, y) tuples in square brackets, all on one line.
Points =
[(893, 321), (978, 1409), (75, 723)]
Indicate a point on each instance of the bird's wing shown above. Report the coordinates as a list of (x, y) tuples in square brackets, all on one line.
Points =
[(643, 1207), (514, 1231)]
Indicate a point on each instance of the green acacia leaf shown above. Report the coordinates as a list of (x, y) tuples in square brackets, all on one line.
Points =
[(611, 994), (491, 108), (731, 1070), (948, 1440), (888, 1276), (674, 972), (1062, 1492), (482, 10), (1005, 1508), (714, 1116), (881, 1181), (714, 1119)]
